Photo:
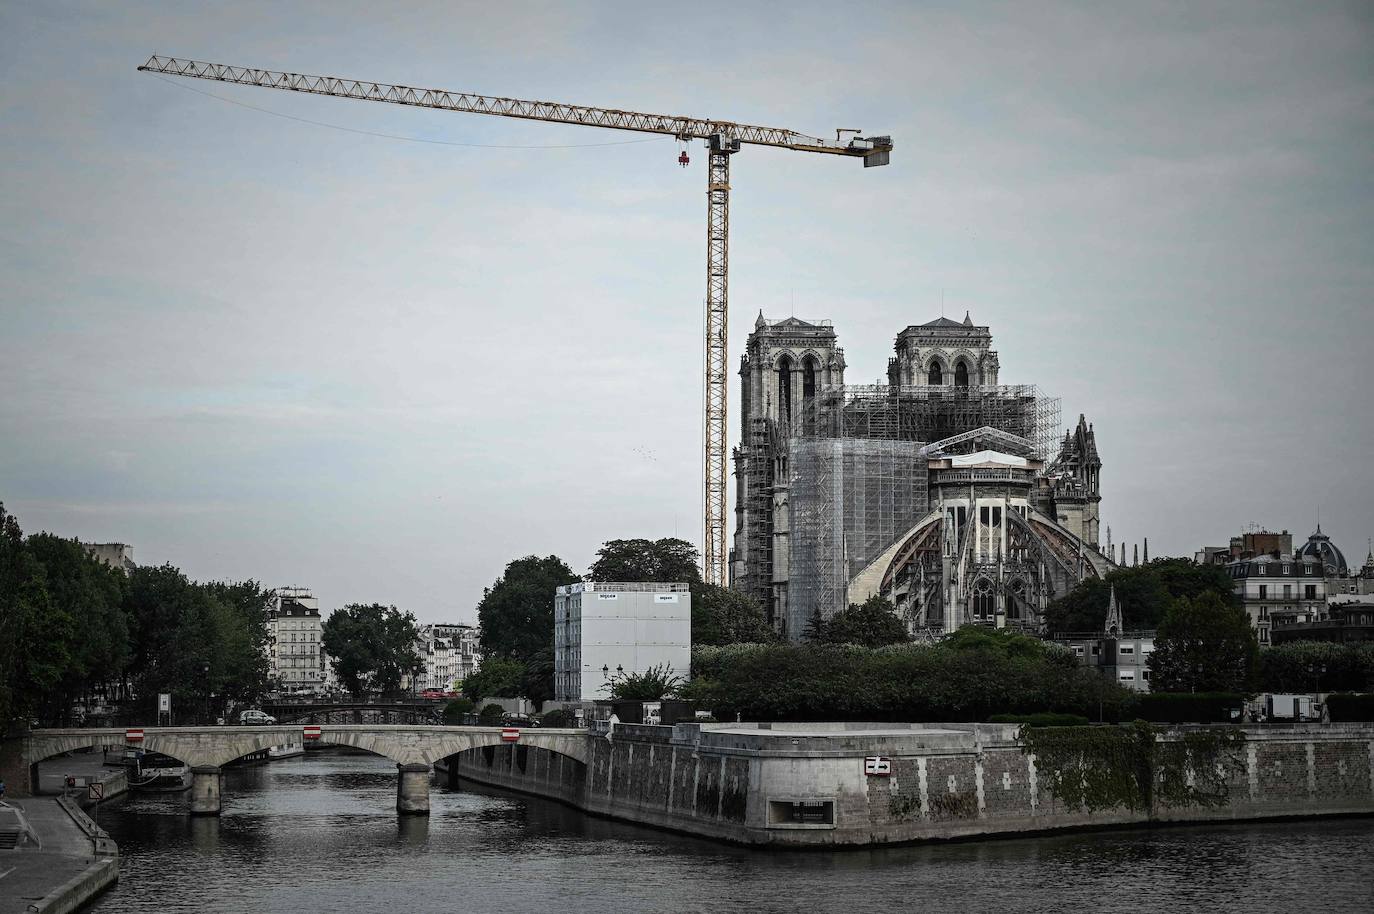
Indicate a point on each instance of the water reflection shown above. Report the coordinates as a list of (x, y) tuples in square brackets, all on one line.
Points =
[(320, 833)]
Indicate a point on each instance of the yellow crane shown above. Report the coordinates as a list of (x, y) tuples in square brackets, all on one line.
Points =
[(723, 138)]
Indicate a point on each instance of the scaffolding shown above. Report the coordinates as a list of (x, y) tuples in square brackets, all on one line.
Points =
[(858, 478), (849, 499), (931, 413)]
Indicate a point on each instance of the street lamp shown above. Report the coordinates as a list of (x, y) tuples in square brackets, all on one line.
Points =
[(205, 678)]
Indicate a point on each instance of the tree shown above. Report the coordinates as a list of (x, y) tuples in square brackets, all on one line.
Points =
[(91, 594), (372, 646), (724, 616), (654, 684), (35, 634), (1144, 593), (1205, 644), (537, 682), (516, 612), (872, 623), (498, 677), (457, 710), (665, 561)]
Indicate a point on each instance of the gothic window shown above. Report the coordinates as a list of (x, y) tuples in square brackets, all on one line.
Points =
[(935, 376), (984, 602), (961, 373), (785, 388)]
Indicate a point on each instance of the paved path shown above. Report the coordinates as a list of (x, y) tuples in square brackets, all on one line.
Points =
[(64, 853)]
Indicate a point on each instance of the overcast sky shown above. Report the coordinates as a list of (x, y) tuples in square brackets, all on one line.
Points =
[(256, 347)]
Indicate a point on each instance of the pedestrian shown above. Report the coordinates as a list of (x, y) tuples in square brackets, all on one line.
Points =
[(2, 788)]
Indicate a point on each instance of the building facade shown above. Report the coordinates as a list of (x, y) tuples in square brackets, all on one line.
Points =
[(1281, 589), (1120, 655), (295, 656), (940, 490), (119, 556), (604, 630)]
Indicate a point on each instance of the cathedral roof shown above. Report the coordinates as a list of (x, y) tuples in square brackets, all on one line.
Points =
[(942, 322), (1320, 547)]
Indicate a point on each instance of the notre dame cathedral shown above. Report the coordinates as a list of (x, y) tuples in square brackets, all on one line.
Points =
[(944, 491)]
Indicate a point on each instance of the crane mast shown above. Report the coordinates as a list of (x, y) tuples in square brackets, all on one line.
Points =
[(724, 139)]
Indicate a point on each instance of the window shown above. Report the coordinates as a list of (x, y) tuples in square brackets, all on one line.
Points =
[(935, 376), (1127, 650), (1126, 675), (1288, 591), (1259, 570), (1287, 570), (1078, 650), (961, 373), (785, 388), (1309, 592), (1264, 591), (1145, 675)]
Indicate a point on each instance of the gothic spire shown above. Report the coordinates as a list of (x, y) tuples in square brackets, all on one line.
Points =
[(1113, 626)]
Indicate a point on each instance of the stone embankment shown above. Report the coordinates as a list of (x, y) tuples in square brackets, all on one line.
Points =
[(60, 861), (855, 784)]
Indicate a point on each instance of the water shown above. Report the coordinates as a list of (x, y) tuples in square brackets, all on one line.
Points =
[(319, 834)]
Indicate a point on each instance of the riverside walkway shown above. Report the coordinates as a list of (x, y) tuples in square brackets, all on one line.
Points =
[(60, 861)]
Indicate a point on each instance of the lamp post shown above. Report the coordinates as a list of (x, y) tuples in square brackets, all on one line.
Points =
[(205, 678)]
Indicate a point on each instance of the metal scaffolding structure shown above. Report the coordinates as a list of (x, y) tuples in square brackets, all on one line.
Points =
[(858, 478), (850, 499), (932, 413)]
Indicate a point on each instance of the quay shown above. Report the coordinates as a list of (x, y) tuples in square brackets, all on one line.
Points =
[(59, 859)]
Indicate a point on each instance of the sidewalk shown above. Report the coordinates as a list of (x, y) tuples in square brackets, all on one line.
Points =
[(66, 862)]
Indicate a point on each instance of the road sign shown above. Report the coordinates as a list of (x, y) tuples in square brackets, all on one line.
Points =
[(164, 702), (510, 734), (95, 790), (134, 735), (878, 766), (310, 731)]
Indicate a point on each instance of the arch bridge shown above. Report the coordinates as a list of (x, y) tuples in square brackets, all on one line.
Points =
[(205, 750)]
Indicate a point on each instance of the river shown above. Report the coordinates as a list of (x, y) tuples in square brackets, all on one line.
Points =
[(320, 833)]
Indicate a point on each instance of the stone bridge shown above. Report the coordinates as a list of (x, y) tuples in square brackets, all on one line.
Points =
[(205, 750)]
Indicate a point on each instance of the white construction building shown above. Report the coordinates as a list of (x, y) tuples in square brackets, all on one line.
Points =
[(604, 630)]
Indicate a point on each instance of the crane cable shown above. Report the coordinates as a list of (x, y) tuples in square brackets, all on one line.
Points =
[(393, 136)]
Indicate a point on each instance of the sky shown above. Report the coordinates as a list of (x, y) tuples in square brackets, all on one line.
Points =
[(257, 347)]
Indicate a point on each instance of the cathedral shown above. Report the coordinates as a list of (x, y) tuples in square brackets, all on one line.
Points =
[(944, 491)]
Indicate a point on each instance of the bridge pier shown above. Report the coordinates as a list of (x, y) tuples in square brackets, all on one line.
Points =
[(205, 790), (412, 790)]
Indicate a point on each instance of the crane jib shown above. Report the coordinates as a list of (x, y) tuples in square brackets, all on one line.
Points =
[(685, 128), (724, 139)]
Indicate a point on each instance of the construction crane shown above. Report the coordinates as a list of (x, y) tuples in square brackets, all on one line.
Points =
[(723, 139)]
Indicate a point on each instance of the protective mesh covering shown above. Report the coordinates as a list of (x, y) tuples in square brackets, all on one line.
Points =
[(920, 413), (849, 499)]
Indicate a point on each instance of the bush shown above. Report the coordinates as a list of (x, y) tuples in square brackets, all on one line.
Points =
[(1189, 707), (557, 718), (491, 715), (456, 711), (1043, 719), (959, 681), (1347, 706)]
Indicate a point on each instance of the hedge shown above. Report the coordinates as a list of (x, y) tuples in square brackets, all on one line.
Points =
[(1348, 706), (1043, 719), (1189, 707)]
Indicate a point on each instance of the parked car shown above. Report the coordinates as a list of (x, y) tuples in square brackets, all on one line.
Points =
[(253, 718)]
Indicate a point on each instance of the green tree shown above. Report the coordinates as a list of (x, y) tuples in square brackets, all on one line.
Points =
[(1205, 644), (537, 682), (457, 710), (1144, 593), (655, 683), (497, 677), (724, 616), (516, 612), (491, 715), (35, 634), (871, 623), (371, 646), (664, 561), (91, 593)]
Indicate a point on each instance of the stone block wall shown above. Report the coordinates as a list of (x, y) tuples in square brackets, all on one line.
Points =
[(769, 786)]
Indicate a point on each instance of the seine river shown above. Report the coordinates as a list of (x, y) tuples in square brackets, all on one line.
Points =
[(320, 834)]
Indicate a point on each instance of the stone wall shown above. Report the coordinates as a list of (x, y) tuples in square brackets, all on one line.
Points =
[(805, 784)]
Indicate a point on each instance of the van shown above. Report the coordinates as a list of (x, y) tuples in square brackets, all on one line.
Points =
[(253, 718)]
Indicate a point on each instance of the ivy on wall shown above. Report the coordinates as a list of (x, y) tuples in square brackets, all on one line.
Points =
[(1135, 765)]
